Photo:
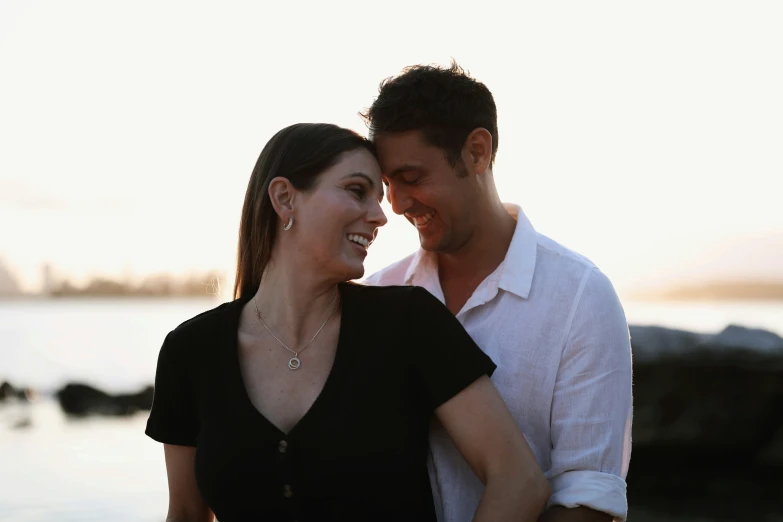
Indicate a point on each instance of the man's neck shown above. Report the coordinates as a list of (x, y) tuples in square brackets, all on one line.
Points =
[(462, 271)]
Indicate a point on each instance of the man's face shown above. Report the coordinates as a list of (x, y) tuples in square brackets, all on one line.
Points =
[(425, 188)]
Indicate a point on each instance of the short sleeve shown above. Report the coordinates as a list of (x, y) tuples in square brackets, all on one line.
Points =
[(174, 415), (444, 356)]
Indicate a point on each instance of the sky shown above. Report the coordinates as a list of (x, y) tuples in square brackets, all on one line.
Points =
[(647, 136)]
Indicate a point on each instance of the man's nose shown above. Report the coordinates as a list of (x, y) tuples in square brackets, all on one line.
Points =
[(399, 199)]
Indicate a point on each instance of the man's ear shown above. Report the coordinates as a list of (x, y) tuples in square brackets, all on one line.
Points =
[(477, 151), (282, 195)]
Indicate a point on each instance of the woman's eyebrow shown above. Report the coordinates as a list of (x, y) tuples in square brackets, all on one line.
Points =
[(360, 175), (366, 178)]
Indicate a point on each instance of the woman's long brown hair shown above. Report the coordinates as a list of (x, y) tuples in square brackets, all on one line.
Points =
[(299, 153)]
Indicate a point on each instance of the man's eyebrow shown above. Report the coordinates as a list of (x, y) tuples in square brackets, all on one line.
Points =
[(402, 169)]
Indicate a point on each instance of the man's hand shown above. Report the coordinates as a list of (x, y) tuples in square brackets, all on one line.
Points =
[(578, 514)]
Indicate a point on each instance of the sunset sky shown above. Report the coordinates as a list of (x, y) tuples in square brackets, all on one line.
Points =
[(647, 136)]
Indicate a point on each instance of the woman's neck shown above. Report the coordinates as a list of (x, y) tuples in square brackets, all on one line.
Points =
[(293, 303)]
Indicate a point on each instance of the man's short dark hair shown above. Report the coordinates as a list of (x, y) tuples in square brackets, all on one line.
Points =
[(444, 103)]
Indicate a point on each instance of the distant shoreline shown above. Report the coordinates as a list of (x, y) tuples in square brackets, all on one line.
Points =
[(662, 298), (729, 291), (720, 292), (122, 297), (156, 286)]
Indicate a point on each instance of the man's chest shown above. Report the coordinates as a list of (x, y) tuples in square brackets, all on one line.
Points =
[(525, 342), (457, 292)]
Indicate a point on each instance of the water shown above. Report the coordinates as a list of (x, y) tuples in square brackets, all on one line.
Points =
[(110, 343), (96, 469), (53, 468), (85, 471)]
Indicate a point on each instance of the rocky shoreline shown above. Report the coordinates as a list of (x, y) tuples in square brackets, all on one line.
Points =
[(707, 428), (708, 425)]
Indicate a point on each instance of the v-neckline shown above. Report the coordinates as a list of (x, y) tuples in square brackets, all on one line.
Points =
[(328, 384)]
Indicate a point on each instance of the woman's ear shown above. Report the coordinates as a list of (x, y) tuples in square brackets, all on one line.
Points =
[(282, 195)]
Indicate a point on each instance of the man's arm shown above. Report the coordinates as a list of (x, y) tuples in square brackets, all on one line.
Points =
[(592, 411)]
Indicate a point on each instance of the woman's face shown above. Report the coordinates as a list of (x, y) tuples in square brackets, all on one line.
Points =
[(336, 221)]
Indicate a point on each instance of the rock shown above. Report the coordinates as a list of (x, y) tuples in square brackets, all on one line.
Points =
[(22, 423), (734, 346), (708, 423), (7, 391), (712, 393), (749, 339), (81, 399)]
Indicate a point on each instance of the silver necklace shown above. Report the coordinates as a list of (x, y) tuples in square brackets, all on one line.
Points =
[(294, 363)]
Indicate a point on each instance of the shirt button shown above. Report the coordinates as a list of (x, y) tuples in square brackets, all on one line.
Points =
[(287, 493), (282, 446)]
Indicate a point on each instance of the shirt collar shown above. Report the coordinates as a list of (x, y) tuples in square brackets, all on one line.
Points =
[(514, 274), (516, 270), (423, 272)]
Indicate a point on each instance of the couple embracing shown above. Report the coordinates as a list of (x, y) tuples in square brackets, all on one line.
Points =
[(485, 377)]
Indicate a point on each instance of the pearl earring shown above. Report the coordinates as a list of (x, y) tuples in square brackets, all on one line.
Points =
[(289, 224)]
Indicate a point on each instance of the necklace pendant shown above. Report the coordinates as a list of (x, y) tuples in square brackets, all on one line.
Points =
[(294, 363)]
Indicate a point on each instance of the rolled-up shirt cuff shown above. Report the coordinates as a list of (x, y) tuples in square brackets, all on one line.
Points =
[(602, 492)]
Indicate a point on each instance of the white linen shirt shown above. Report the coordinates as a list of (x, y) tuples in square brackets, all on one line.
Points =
[(554, 326)]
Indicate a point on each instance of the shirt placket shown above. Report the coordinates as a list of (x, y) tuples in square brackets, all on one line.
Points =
[(288, 484)]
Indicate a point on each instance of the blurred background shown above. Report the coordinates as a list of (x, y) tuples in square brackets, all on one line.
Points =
[(646, 136)]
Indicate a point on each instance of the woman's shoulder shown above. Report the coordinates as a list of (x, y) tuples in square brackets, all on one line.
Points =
[(396, 301), (203, 325), (393, 294)]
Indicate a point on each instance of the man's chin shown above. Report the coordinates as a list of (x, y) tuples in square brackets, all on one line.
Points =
[(429, 243)]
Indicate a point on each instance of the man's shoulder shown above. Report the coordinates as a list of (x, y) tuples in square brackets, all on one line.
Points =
[(558, 263), (394, 274), (556, 256)]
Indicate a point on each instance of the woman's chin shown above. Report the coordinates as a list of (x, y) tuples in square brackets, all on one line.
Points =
[(344, 269), (354, 271)]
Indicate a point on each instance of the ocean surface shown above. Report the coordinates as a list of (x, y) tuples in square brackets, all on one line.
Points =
[(55, 468)]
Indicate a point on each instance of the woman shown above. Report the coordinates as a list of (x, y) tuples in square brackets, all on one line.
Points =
[(309, 397)]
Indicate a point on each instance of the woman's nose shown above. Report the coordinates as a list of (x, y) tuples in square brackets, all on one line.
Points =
[(377, 215)]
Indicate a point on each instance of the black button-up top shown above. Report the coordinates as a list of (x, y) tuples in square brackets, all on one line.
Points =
[(359, 453)]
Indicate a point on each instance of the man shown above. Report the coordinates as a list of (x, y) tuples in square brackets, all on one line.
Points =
[(547, 316)]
